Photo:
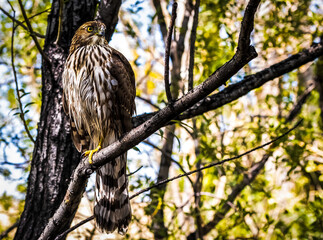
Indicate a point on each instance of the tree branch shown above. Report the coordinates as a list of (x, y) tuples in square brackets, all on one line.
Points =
[(217, 163), (62, 235), (21, 113), (249, 83), (170, 157), (6, 232), (160, 19), (32, 33), (192, 45), (21, 23), (247, 177), (225, 206), (298, 106), (148, 101), (135, 136), (247, 25), (167, 52)]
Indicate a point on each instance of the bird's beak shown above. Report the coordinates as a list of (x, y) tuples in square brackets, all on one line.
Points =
[(101, 32)]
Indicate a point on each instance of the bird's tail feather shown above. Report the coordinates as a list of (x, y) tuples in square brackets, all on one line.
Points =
[(112, 206)]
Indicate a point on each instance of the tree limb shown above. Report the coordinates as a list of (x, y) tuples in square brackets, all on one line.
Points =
[(160, 19), (225, 206), (6, 232), (32, 33), (254, 170), (21, 23), (135, 136), (192, 45), (167, 52), (249, 83), (298, 106), (217, 163)]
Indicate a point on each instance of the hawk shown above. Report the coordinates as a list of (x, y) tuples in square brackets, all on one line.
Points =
[(98, 96)]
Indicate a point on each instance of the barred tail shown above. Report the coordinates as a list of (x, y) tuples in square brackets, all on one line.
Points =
[(112, 206)]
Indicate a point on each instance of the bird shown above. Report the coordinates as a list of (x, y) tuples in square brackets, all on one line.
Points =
[(99, 98)]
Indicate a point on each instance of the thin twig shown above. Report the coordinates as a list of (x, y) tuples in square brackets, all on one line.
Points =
[(132, 173), (148, 101), (170, 157), (192, 45), (21, 23), (39, 13), (167, 53), (216, 163), (30, 29), (21, 114), (6, 232), (74, 227), (298, 106), (187, 174)]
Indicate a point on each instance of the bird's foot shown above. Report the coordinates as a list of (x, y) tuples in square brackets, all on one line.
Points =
[(91, 152)]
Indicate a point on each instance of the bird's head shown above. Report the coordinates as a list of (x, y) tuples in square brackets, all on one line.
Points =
[(90, 33)]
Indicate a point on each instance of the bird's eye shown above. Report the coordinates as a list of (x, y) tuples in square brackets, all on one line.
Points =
[(89, 29)]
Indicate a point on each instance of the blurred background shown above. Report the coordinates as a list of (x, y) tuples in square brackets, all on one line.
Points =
[(272, 193)]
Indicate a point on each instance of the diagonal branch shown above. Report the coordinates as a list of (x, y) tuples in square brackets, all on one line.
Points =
[(255, 169), (249, 83), (21, 23), (138, 134), (170, 157), (6, 232), (32, 33), (248, 178), (216, 163), (226, 205), (297, 107)]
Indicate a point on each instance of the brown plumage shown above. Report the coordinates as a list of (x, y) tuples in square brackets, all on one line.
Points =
[(98, 96)]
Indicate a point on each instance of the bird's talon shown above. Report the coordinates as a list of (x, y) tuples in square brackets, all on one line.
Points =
[(91, 152)]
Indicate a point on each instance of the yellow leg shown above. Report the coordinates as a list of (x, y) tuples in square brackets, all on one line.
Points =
[(91, 152)]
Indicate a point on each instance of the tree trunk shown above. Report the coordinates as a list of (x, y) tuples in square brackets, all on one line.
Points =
[(54, 157), (157, 194)]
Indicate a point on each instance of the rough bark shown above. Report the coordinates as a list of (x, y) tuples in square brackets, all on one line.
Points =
[(54, 156), (108, 14)]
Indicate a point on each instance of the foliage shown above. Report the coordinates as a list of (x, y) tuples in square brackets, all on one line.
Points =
[(284, 200)]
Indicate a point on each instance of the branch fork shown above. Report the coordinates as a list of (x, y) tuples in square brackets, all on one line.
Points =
[(160, 119)]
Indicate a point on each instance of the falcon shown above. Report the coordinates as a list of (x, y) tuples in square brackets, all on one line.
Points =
[(98, 96)]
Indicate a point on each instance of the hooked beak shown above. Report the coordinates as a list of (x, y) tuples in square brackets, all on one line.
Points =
[(101, 32)]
